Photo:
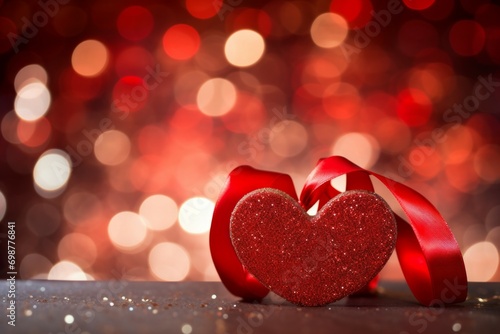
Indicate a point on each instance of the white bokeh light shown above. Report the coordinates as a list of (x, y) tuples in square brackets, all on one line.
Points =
[(127, 230), (159, 211), (216, 97), (244, 48), (67, 271), (361, 148), (169, 261), (195, 215), (52, 170), (481, 261), (32, 101)]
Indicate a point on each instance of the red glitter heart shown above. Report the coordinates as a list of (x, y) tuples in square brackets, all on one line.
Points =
[(313, 260)]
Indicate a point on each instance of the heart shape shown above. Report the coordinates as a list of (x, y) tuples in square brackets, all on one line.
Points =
[(317, 260)]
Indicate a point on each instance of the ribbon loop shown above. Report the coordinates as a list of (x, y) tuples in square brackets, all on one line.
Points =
[(241, 181)]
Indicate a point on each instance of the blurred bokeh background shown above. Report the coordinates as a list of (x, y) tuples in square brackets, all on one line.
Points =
[(120, 120)]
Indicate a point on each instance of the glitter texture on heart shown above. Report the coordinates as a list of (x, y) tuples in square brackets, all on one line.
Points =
[(317, 260)]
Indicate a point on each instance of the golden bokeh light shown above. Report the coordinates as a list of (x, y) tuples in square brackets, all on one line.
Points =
[(112, 147), (159, 212), (90, 58), (244, 48), (481, 261), (288, 138), (329, 30), (360, 148), (169, 262), (30, 74), (216, 97), (127, 231)]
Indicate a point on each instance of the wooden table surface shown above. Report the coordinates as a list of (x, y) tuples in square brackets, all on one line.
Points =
[(206, 307)]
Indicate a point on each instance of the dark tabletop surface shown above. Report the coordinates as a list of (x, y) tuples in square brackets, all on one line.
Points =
[(206, 307)]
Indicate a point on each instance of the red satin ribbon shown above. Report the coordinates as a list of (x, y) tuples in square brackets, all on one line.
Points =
[(429, 255)]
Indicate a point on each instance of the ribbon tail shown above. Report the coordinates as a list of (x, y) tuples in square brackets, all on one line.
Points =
[(428, 253)]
